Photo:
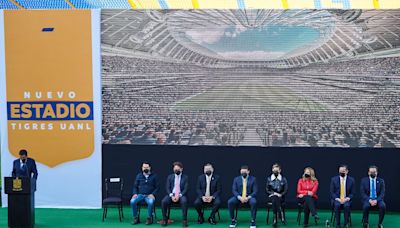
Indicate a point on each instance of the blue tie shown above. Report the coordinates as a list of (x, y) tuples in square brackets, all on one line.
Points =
[(373, 190)]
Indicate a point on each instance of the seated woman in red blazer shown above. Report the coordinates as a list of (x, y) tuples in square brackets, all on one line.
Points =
[(307, 187)]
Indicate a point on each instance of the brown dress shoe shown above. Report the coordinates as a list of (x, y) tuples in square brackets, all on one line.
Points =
[(164, 223), (149, 221)]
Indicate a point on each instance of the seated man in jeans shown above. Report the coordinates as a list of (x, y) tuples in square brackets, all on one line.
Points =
[(145, 188)]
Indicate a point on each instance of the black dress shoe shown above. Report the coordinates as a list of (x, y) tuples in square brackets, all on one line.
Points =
[(184, 223), (365, 225), (135, 221), (200, 220), (212, 221), (380, 226)]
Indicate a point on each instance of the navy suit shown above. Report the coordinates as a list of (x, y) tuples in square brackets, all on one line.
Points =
[(167, 200), (29, 170), (365, 190), (335, 194), (251, 190), (215, 191)]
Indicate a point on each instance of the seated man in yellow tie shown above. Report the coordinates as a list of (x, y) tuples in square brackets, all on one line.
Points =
[(342, 192), (244, 189)]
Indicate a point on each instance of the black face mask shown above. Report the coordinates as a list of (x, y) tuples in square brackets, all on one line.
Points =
[(342, 174), (208, 173), (244, 175), (146, 171), (177, 172), (372, 175), (276, 173), (307, 175)]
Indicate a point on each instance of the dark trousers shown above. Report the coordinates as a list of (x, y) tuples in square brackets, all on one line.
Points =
[(309, 207), (382, 209), (167, 201), (276, 204), (215, 203), (346, 211), (233, 203)]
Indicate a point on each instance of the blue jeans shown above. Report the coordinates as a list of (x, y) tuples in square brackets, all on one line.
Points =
[(140, 198)]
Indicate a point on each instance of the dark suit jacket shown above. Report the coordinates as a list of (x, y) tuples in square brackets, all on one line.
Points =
[(31, 169), (335, 187), (251, 190), (171, 183), (215, 186), (365, 189)]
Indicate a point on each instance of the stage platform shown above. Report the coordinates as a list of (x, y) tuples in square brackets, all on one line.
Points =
[(92, 218)]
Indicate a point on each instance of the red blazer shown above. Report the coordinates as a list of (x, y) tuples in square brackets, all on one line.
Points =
[(305, 186)]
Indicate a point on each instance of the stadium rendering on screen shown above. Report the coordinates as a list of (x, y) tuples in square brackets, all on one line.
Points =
[(296, 78)]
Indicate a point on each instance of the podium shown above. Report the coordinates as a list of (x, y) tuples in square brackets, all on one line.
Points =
[(21, 201)]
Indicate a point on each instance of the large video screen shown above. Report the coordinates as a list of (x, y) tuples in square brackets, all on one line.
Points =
[(292, 78)]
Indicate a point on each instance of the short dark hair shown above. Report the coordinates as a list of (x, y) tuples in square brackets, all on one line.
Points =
[(244, 167), (177, 163), (373, 167), (276, 165), (208, 164), (23, 152), (146, 162), (344, 166)]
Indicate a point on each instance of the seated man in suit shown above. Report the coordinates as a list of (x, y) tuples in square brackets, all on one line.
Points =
[(372, 195), (177, 188), (208, 192), (25, 167), (342, 193), (145, 188), (244, 189)]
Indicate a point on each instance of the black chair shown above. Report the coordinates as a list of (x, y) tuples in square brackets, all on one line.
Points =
[(143, 204), (269, 207), (333, 217), (113, 197), (300, 208), (209, 206)]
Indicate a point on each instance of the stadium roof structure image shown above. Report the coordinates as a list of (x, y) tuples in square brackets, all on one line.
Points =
[(264, 38), (251, 77)]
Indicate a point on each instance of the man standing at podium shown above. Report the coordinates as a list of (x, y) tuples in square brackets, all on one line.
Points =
[(25, 167)]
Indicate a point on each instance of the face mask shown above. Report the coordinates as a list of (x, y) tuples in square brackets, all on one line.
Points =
[(208, 172), (342, 174), (244, 175), (372, 175), (276, 173), (146, 170), (177, 172), (307, 175)]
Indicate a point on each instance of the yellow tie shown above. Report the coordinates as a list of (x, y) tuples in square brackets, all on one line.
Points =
[(244, 192), (342, 191)]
